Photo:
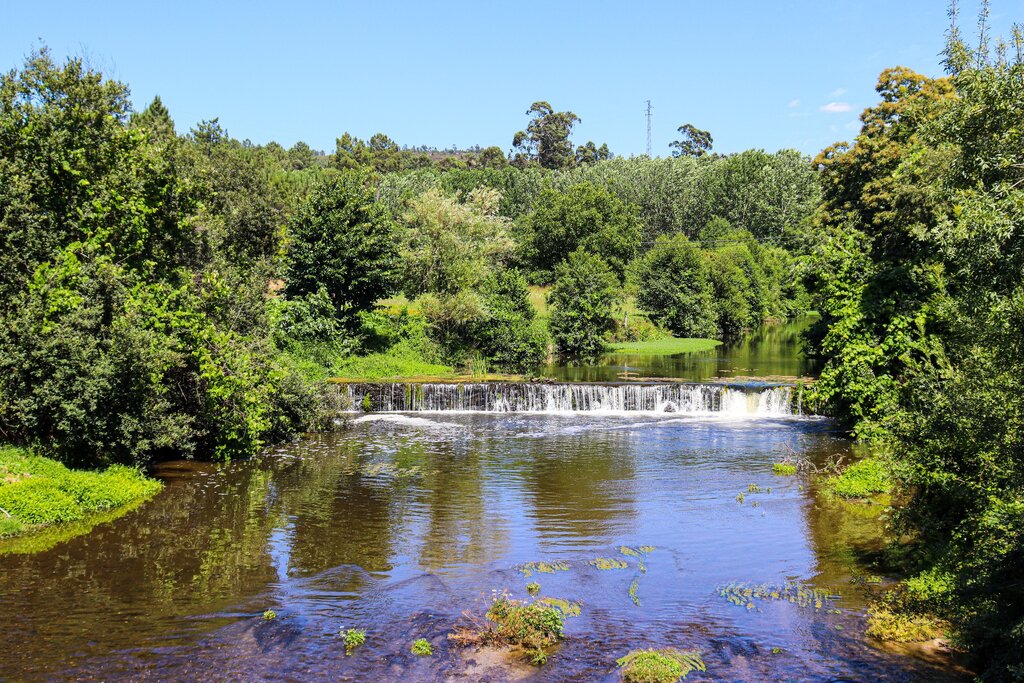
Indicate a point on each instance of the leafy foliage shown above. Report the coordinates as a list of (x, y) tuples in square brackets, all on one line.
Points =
[(674, 286), (581, 305)]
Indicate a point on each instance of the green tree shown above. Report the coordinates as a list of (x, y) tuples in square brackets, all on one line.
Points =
[(694, 143), (674, 287), (508, 335), (584, 216), (582, 301), (591, 153), (343, 241), (448, 246), (546, 138)]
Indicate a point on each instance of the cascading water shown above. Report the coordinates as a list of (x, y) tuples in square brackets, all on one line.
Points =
[(507, 397)]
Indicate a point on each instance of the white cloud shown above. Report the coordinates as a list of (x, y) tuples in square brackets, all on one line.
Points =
[(794, 103), (835, 107), (838, 92)]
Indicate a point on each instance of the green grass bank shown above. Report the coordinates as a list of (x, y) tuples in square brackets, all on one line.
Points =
[(37, 493)]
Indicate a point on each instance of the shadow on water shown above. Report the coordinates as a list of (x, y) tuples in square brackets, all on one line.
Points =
[(399, 523), (769, 351)]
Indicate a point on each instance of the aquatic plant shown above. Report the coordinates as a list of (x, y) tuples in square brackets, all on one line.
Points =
[(744, 594), (354, 637), (902, 627), (533, 627), (533, 588), (785, 469), (269, 615), (659, 666), (367, 403), (633, 588), (740, 497), (569, 608), (861, 480), (608, 563), (529, 568), (421, 648), (639, 553)]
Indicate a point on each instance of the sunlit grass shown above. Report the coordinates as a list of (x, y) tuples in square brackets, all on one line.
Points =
[(665, 347)]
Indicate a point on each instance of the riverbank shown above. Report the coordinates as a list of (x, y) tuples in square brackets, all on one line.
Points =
[(38, 493)]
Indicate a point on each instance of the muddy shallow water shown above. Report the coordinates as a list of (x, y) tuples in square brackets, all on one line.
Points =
[(399, 523)]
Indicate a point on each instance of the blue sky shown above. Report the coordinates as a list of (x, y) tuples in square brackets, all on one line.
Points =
[(772, 75)]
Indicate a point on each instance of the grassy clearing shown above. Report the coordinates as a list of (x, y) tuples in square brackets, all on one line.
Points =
[(37, 493), (665, 347)]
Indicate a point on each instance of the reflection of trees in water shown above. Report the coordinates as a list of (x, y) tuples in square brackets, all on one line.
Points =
[(339, 514), (766, 350), (580, 484), (188, 551), (846, 536)]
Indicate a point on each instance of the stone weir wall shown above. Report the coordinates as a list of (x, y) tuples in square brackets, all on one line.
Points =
[(565, 397)]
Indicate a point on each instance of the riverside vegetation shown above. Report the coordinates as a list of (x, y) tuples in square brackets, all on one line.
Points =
[(171, 295)]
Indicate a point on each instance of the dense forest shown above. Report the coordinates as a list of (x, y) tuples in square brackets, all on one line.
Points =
[(168, 293)]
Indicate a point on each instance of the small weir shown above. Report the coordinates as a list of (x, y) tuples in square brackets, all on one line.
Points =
[(571, 397)]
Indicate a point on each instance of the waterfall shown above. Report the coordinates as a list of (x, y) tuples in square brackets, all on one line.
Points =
[(524, 397)]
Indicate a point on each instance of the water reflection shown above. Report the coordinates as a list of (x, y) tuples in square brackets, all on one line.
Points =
[(769, 351), (400, 523)]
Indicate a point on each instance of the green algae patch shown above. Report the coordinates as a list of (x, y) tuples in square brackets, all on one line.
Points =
[(38, 494), (605, 563), (634, 592), (659, 666), (532, 627), (533, 588), (530, 568), (569, 608), (746, 594)]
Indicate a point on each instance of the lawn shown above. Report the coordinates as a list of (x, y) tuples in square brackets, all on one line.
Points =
[(665, 347)]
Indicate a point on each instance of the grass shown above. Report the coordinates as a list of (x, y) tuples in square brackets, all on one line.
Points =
[(389, 366), (38, 493), (861, 480), (665, 347), (659, 666)]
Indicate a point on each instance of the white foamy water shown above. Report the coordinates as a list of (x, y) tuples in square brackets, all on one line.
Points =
[(510, 397)]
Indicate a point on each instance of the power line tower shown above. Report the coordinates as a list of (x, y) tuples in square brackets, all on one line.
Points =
[(648, 128)]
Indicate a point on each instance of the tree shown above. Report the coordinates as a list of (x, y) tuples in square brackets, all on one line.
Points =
[(584, 216), (508, 336), (343, 240), (581, 303), (590, 153), (694, 143), (546, 138), (156, 119), (674, 287), (449, 246)]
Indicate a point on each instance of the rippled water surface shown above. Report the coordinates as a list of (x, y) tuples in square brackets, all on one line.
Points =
[(398, 524)]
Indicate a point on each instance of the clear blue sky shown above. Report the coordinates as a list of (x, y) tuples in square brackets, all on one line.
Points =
[(756, 74)]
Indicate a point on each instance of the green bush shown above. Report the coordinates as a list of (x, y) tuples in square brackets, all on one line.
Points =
[(673, 286), (581, 305)]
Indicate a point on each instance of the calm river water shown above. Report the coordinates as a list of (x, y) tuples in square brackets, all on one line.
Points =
[(399, 523)]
